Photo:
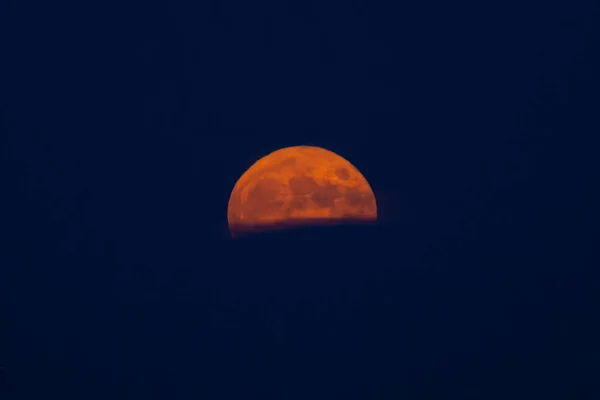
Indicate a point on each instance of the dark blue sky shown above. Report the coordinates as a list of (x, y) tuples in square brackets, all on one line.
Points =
[(125, 126)]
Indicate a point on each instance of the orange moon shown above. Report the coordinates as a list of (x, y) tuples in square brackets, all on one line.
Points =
[(300, 185)]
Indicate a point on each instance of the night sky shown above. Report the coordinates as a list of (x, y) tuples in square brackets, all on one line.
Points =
[(124, 127)]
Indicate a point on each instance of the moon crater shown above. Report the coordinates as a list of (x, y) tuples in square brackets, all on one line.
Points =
[(302, 185), (342, 173), (326, 195)]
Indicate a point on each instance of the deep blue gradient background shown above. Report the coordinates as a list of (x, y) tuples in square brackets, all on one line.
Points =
[(124, 126)]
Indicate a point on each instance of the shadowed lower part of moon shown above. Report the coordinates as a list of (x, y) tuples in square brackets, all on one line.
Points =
[(300, 186)]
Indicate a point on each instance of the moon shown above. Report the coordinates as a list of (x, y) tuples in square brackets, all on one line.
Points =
[(299, 186)]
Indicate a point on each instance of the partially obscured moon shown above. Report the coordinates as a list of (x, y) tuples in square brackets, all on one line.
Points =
[(300, 185)]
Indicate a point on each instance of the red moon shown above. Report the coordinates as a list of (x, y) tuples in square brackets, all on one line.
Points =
[(299, 186)]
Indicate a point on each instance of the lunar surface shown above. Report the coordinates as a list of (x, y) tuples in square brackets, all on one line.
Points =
[(299, 186)]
